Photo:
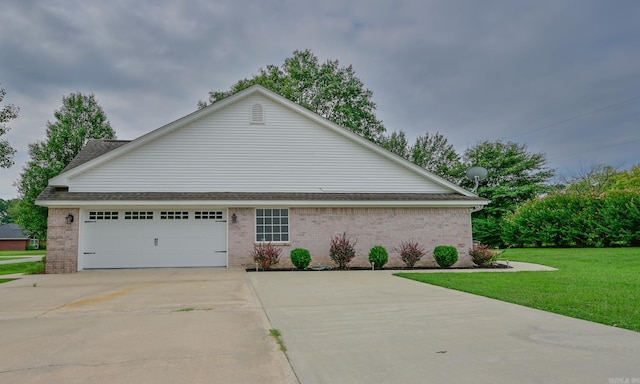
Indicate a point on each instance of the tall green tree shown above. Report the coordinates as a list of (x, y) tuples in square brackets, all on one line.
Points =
[(430, 151), (396, 143), (627, 180), (79, 119), (7, 113), (515, 176), (434, 153), (597, 179), (6, 210), (328, 89), (603, 178)]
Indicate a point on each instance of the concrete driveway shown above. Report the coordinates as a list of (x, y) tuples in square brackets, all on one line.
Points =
[(371, 327), (137, 326)]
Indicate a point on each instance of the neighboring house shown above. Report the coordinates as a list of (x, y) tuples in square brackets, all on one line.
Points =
[(13, 238), (253, 167)]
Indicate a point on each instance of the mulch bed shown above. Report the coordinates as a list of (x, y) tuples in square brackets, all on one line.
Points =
[(490, 266)]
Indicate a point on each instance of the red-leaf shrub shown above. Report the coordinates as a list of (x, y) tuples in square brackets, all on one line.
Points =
[(483, 255), (342, 250), (266, 255), (410, 252)]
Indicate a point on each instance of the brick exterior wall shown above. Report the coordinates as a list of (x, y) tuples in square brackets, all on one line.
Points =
[(13, 245), (313, 228), (310, 228), (62, 241)]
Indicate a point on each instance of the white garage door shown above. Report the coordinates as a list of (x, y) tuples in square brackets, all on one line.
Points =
[(154, 238)]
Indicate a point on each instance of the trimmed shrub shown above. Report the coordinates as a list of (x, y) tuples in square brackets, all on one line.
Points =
[(266, 255), (445, 255), (342, 250), (301, 258), (378, 256), (410, 252), (483, 255), (609, 219)]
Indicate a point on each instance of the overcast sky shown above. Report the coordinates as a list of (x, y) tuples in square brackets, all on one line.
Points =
[(561, 76)]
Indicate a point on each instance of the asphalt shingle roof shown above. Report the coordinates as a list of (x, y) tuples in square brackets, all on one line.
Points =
[(93, 149), (50, 193), (12, 231)]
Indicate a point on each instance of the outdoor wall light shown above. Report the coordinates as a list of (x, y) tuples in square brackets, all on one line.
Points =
[(234, 218), (69, 218)]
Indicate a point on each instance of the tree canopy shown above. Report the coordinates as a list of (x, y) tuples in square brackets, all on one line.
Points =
[(78, 120), (328, 89), (515, 176), (7, 113), (597, 179), (396, 143), (6, 210), (435, 154), (628, 180)]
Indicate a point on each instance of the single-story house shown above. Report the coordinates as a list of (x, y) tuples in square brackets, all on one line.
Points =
[(13, 238), (253, 167)]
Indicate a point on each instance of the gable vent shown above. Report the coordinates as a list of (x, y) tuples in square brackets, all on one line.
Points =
[(257, 114)]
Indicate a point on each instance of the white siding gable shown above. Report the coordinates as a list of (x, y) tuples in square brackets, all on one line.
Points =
[(225, 152)]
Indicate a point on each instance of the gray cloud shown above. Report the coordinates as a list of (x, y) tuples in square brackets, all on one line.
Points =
[(471, 70)]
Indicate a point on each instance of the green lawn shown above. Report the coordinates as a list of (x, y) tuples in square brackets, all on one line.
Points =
[(37, 252), (601, 285), (8, 269)]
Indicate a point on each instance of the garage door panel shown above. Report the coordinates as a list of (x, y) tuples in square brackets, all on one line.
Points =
[(161, 239)]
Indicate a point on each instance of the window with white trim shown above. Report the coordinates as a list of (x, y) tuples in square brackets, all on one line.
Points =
[(34, 243), (272, 225), (174, 215), (103, 215)]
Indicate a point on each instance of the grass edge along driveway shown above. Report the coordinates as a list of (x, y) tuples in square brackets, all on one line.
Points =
[(596, 284)]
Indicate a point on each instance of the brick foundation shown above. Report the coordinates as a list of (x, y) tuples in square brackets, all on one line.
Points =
[(313, 228), (62, 241)]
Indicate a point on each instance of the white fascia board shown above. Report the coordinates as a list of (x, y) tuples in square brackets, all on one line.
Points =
[(255, 203)]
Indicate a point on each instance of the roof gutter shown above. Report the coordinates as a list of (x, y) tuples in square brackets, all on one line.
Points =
[(263, 203)]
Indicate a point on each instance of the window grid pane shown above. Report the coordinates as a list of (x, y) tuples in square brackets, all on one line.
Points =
[(173, 215), (269, 225), (208, 215), (138, 215), (103, 215)]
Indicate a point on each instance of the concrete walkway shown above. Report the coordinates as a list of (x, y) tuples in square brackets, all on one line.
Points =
[(372, 327)]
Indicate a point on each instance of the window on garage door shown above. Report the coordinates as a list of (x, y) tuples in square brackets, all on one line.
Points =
[(138, 215), (103, 215), (174, 215), (272, 225)]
